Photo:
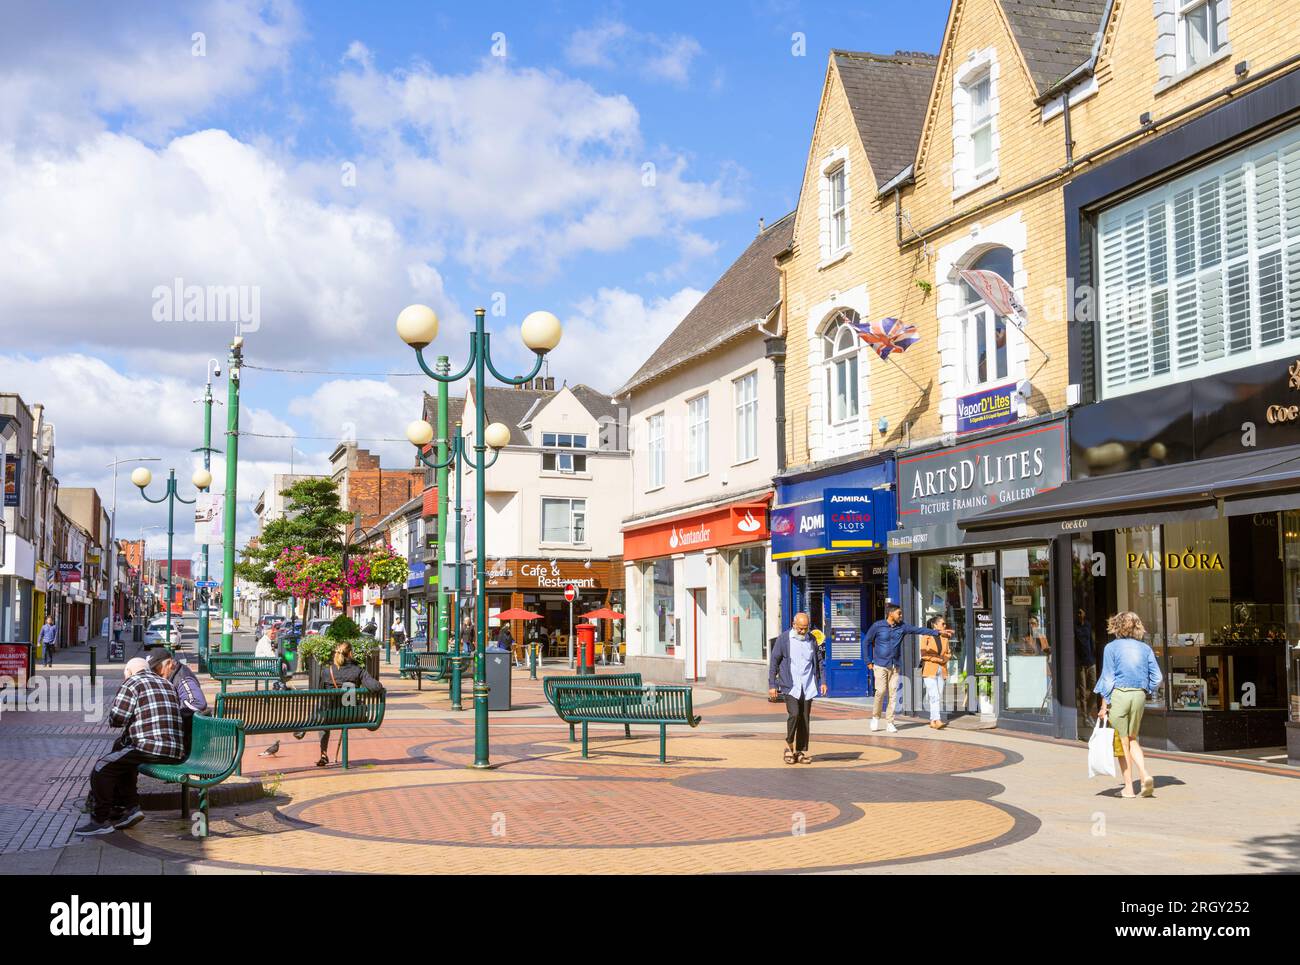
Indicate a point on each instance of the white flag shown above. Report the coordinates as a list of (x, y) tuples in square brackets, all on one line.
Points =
[(1001, 297)]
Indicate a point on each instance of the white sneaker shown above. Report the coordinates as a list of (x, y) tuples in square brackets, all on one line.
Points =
[(875, 724), (889, 726)]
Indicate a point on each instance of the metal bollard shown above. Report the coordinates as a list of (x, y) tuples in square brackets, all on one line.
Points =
[(92, 665), (532, 661)]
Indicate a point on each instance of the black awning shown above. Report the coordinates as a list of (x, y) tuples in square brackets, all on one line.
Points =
[(1249, 482)]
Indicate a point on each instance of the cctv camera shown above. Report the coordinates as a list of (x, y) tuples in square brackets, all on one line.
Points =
[(216, 372)]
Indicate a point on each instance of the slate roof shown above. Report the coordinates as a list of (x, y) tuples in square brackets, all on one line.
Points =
[(513, 406), (1055, 36), (889, 97), (455, 406), (746, 292)]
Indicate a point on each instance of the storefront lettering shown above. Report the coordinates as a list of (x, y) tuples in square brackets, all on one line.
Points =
[(1282, 413), (1070, 525), (1294, 372), (988, 471), (811, 524), (1175, 561)]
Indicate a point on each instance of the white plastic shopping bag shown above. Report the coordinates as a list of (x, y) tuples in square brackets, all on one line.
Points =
[(1101, 749)]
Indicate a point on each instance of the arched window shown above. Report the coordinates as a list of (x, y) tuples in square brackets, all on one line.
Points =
[(840, 351), (984, 332)]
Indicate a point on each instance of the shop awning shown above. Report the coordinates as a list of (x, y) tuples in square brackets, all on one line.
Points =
[(1251, 482)]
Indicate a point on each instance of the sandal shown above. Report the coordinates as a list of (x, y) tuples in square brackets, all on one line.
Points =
[(790, 757), (804, 758), (324, 761)]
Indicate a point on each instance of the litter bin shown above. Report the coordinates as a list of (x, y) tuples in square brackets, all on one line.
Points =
[(137, 633), (497, 673)]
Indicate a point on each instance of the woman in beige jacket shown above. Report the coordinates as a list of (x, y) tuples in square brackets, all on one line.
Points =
[(935, 654)]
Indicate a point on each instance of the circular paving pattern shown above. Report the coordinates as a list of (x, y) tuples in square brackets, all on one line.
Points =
[(723, 803)]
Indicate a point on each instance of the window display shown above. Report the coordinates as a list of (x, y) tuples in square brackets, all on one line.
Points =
[(658, 623), (941, 586), (1027, 631), (747, 579)]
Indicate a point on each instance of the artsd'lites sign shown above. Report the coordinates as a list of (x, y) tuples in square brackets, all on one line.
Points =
[(936, 489)]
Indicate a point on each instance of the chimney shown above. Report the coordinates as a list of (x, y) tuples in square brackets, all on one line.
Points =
[(760, 226), (550, 384)]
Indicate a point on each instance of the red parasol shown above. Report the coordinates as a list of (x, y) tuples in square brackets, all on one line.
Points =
[(517, 614), (604, 613)]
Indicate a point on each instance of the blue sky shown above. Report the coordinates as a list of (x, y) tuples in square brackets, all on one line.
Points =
[(342, 160)]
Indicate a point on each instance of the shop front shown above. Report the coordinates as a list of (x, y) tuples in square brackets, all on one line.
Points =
[(829, 529), (998, 595), (538, 585), (1204, 547), (699, 600)]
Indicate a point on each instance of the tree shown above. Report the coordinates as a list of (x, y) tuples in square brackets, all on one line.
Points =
[(311, 525)]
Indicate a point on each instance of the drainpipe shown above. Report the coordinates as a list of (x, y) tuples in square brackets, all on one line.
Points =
[(775, 348)]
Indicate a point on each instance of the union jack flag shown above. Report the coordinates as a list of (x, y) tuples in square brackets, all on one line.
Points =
[(887, 335)]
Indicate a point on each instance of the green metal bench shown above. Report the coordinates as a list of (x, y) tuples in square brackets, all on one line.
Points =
[(656, 704), (290, 711), (226, 667), (216, 748), (602, 680), (433, 664)]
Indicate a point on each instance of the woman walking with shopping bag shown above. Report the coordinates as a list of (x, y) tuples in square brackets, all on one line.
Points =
[(1129, 673)]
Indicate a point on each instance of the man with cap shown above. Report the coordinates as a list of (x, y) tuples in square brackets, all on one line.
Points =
[(147, 709), (164, 663)]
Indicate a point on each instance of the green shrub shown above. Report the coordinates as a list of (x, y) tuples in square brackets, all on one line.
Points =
[(322, 648), (343, 628)]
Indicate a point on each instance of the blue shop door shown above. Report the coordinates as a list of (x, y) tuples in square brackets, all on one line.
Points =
[(844, 623)]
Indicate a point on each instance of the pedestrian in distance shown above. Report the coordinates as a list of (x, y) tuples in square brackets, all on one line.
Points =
[(149, 712), (397, 632), (797, 673), (884, 646), (118, 626), (467, 634), (1129, 674), (49, 634), (935, 654), (341, 673), (371, 628)]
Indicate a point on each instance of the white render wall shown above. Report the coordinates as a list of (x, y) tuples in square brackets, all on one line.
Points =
[(714, 374), (516, 485)]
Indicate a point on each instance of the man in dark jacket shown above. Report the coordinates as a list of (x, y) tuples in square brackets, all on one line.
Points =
[(797, 673), (188, 690), (884, 645)]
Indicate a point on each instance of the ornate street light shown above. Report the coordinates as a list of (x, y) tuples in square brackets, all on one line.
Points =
[(142, 477), (417, 325)]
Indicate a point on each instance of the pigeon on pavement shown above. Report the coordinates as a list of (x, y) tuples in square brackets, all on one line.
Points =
[(271, 750)]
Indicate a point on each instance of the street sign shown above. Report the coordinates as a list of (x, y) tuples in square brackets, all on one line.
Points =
[(570, 592), (207, 584)]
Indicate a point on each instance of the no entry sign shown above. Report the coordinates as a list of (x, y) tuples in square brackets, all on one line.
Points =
[(570, 592)]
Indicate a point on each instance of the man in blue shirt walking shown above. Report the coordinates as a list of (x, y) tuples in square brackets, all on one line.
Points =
[(49, 634), (884, 653)]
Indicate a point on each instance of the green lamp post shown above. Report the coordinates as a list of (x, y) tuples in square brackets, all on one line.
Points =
[(142, 477), (417, 325)]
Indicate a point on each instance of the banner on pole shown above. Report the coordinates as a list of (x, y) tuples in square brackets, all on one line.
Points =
[(999, 294), (209, 519)]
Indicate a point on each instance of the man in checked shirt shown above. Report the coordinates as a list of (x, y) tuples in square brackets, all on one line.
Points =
[(148, 710)]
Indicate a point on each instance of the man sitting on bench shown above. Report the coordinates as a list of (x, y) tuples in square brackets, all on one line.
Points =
[(148, 710)]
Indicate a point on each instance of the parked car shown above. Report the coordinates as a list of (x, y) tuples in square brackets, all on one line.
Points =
[(156, 632), (317, 627)]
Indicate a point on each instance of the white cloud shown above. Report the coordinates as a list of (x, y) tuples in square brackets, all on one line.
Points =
[(91, 244), (514, 171), (620, 329), (373, 413), (101, 414), (64, 66), (613, 45)]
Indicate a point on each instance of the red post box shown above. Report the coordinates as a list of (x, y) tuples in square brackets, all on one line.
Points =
[(586, 648)]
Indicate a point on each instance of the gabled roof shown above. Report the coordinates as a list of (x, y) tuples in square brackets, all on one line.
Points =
[(746, 293), (455, 408), (517, 407), (888, 97), (1055, 37)]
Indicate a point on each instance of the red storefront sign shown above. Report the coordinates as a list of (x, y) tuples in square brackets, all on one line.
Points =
[(724, 526), (13, 662)]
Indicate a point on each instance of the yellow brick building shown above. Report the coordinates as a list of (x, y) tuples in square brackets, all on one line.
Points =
[(1089, 213)]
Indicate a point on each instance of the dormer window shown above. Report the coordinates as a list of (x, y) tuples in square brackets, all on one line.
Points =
[(975, 122), (564, 459)]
